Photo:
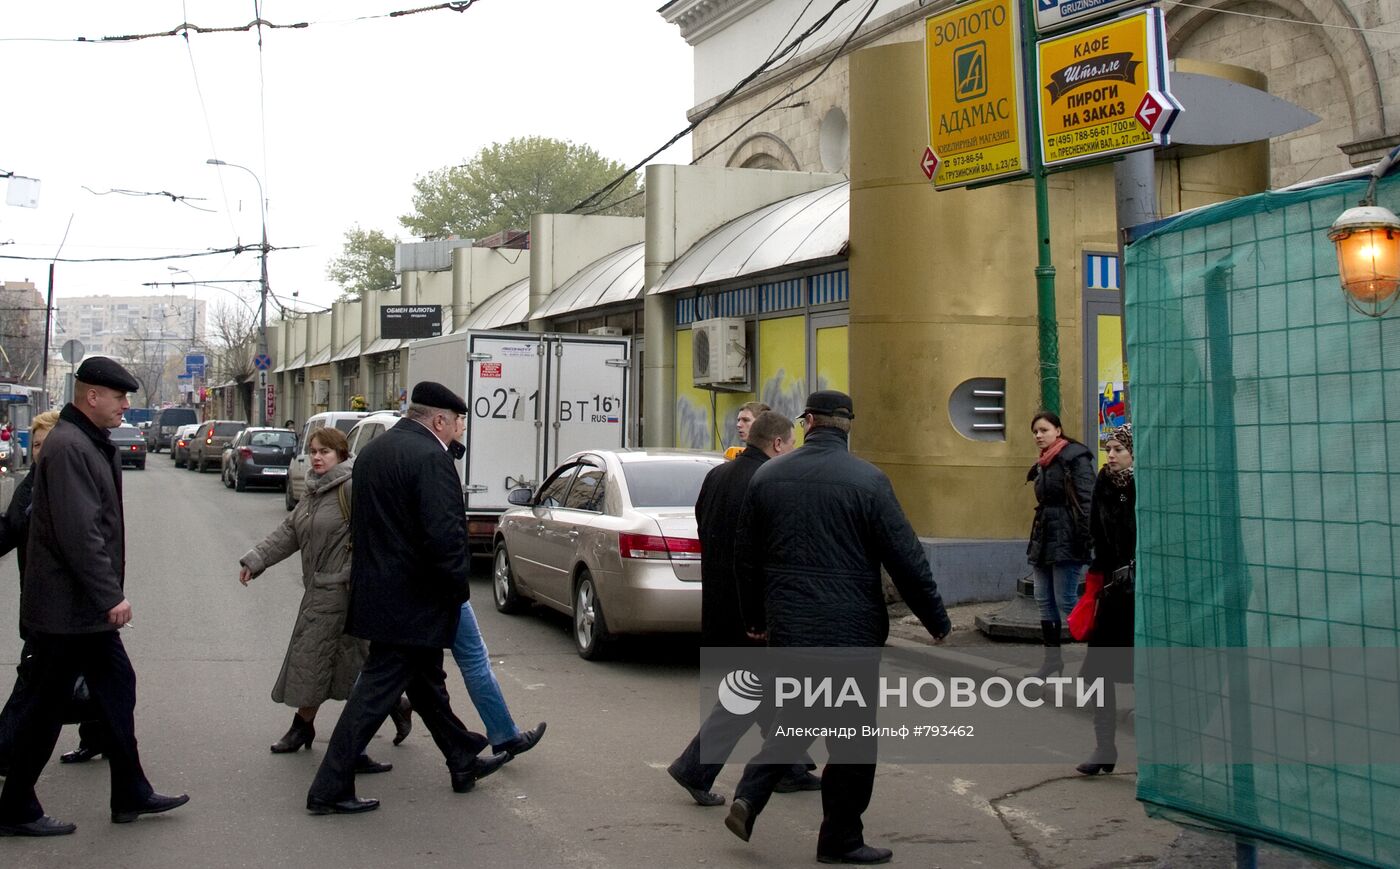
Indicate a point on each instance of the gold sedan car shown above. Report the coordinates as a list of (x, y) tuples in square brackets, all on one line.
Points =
[(609, 539)]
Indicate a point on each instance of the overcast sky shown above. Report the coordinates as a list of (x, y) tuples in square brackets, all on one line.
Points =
[(337, 120)]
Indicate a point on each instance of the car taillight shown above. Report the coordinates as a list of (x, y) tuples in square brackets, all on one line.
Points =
[(181, 442), (245, 452), (133, 448), (208, 441), (656, 546)]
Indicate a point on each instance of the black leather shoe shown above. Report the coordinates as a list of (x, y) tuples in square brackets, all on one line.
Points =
[(795, 783), (348, 806), (865, 855), (44, 826), (81, 754), (154, 805), (464, 780), (702, 797), (522, 742), (402, 716), (741, 818), (301, 734), (365, 765)]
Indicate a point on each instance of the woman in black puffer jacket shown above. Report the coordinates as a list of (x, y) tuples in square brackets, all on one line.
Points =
[(1114, 528), (1060, 546)]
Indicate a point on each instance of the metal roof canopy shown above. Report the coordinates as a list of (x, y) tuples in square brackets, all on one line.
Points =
[(320, 358), (805, 228), (507, 307), (618, 277), (298, 362), (350, 351), (383, 345)]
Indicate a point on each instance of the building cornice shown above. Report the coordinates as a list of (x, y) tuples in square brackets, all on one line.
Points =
[(701, 19)]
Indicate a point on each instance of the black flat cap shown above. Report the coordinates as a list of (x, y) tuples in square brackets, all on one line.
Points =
[(829, 402), (430, 394), (101, 371)]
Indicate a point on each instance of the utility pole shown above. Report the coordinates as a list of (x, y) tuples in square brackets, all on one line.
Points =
[(261, 391), (1047, 326)]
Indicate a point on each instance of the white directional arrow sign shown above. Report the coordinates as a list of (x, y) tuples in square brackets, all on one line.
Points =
[(1157, 112)]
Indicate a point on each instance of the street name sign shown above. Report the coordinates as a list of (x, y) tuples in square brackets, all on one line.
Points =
[(1058, 14), (973, 69), (410, 321), (1092, 82)]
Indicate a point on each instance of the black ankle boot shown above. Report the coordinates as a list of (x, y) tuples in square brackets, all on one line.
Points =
[(1054, 663), (301, 734)]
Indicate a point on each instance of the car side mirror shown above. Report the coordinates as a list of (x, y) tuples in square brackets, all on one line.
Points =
[(520, 497)]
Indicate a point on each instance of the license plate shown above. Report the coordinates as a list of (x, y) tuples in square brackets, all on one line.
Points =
[(275, 472)]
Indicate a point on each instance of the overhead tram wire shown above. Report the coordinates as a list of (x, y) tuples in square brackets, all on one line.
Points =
[(204, 111), (792, 46), (821, 72)]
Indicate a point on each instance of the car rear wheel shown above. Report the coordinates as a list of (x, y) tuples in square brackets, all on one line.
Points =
[(590, 628), (290, 501), (508, 600), (239, 484)]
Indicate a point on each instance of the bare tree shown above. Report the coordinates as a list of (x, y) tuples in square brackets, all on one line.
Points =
[(234, 343), (147, 356)]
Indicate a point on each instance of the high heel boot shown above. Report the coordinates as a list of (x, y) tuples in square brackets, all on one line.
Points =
[(1054, 663), (300, 734), (1105, 754)]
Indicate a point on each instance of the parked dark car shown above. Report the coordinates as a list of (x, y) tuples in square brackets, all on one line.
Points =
[(259, 456), (208, 442), (164, 424), (130, 442), (180, 444)]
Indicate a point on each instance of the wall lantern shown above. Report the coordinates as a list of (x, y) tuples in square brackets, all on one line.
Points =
[(1368, 249)]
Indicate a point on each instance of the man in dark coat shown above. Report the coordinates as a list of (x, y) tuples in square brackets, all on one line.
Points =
[(815, 528), (721, 622), (408, 580), (73, 602)]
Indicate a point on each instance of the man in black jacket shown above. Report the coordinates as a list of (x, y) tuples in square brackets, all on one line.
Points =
[(815, 528), (768, 435), (73, 602), (408, 580)]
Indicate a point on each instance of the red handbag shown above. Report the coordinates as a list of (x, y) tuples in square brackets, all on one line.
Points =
[(1081, 618)]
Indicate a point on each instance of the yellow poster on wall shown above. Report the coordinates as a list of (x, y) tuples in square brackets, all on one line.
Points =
[(833, 359), (1111, 378), (782, 365)]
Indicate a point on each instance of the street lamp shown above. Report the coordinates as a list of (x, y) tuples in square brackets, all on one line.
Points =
[(1368, 249), (262, 306)]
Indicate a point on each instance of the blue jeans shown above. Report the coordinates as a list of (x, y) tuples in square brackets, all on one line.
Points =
[(1057, 589), (469, 651)]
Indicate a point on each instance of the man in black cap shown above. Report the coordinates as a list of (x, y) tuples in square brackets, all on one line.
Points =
[(408, 581), (73, 602), (815, 528)]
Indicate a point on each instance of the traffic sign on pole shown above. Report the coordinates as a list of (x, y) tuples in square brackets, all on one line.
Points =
[(929, 164), (262, 362)]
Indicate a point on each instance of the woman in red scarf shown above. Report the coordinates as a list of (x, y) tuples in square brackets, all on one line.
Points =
[(1060, 545)]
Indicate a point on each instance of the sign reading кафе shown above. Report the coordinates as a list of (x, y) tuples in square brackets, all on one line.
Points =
[(1092, 83), (973, 66), (410, 321)]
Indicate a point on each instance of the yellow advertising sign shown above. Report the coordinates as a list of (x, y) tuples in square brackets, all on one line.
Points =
[(1092, 83), (973, 58)]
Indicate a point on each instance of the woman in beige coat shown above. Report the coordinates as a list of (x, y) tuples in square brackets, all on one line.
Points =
[(322, 661)]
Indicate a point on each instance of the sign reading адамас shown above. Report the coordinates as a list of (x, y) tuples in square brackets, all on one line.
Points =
[(973, 64)]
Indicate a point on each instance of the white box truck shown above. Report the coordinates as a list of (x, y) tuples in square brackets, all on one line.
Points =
[(532, 400)]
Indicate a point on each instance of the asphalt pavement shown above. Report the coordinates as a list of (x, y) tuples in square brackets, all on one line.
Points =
[(594, 793)]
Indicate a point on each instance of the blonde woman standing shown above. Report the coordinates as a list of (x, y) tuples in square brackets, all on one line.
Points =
[(322, 661)]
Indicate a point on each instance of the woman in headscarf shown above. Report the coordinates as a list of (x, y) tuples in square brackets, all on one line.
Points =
[(322, 661), (1114, 529)]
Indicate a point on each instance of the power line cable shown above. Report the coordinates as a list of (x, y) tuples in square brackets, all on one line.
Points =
[(773, 58), (242, 248), (831, 60), (183, 200), (208, 127)]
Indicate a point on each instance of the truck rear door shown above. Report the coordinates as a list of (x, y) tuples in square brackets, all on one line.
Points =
[(588, 392), (505, 384)]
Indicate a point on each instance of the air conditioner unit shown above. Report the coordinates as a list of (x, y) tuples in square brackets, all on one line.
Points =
[(607, 331), (300, 377), (719, 350)]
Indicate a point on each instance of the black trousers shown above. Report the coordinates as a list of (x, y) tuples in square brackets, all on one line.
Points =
[(391, 670), (55, 663), (718, 735), (91, 733)]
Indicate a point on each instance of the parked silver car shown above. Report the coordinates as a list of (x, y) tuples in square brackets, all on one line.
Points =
[(609, 538)]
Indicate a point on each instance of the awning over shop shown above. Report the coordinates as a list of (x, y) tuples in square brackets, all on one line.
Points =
[(617, 277), (320, 358), (508, 307), (299, 362), (383, 345), (807, 228), (350, 351)]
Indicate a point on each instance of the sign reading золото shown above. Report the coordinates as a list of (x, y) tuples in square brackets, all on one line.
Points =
[(1092, 82), (973, 65)]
